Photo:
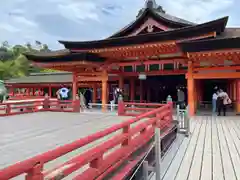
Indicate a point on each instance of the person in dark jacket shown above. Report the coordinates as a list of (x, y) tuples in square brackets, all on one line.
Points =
[(87, 96)]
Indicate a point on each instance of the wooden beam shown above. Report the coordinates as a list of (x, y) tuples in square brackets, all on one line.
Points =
[(154, 73), (149, 62), (214, 68), (89, 79), (216, 75)]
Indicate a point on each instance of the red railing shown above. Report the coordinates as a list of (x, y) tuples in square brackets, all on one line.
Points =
[(24, 97), (102, 159), (30, 106), (134, 109)]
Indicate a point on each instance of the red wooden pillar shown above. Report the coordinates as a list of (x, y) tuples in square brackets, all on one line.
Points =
[(238, 96), (132, 90), (74, 86), (121, 82), (104, 90), (190, 87), (94, 99), (50, 90)]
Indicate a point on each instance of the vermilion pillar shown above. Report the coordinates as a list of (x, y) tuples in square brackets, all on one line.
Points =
[(104, 90), (121, 82), (74, 86), (50, 91), (132, 91), (238, 96), (94, 99), (190, 87)]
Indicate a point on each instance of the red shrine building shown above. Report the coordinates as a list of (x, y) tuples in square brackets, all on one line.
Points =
[(153, 56)]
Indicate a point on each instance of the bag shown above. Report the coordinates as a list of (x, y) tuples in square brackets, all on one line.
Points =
[(229, 101)]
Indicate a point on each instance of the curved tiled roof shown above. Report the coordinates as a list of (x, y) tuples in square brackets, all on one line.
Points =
[(158, 14), (217, 26), (210, 44), (63, 56)]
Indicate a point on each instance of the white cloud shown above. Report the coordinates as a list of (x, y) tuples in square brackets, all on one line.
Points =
[(51, 20), (9, 28), (24, 21), (198, 10), (78, 10)]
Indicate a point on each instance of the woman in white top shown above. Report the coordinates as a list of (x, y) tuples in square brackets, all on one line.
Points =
[(214, 102)]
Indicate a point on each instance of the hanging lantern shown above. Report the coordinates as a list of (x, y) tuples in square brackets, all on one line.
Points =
[(142, 76)]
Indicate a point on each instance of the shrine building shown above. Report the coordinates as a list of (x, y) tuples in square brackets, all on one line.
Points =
[(153, 56)]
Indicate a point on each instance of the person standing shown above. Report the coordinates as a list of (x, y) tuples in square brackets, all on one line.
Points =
[(214, 102), (223, 101), (181, 98), (63, 92), (87, 96)]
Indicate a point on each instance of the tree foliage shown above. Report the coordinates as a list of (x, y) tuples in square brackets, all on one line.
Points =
[(14, 64)]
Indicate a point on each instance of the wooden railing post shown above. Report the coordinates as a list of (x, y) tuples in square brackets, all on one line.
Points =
[(158, 121), (8, 109), (126, 130), (170, 103), (46, 103), (35, 173), (76, 105), (121, 111), (96, 163)]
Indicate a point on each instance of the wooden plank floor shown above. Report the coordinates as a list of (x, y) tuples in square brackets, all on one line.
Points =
[(212, 152), (27, 135)]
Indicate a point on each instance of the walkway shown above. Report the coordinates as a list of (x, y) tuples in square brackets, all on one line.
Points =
[(212, 152), (26, 135)]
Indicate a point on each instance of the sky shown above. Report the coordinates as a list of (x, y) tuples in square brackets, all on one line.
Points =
[(47, 21)]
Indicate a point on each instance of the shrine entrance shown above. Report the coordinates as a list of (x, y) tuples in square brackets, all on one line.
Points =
[(205, 90), (162, 86)]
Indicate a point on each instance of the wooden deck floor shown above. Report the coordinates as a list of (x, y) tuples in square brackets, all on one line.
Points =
[(212, 152), (27, 135)]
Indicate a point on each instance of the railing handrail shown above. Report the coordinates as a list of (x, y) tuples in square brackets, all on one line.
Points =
[(47, 104), (27, 165)]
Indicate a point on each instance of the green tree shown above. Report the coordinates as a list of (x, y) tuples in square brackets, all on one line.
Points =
[(14, 64)]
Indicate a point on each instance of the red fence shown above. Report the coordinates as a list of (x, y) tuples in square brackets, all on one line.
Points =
[(26, 97), (102, 159), (134, 109), (30, 106)]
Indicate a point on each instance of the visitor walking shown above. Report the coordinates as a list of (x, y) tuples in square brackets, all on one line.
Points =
[(214, 102), (82, 101), (87, 96), (223, 102)]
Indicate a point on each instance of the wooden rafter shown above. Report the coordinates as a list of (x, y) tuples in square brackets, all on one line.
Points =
[(216, 75), (216, 57), (216, 68)]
